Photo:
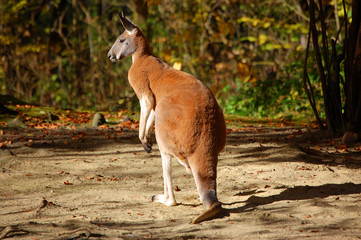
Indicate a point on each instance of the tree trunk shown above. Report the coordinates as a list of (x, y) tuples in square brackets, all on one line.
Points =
[(353, 76), (140, 8), (328, 69)]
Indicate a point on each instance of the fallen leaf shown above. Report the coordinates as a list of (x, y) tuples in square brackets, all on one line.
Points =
[(68, 183), (303, 168), (341, 147)]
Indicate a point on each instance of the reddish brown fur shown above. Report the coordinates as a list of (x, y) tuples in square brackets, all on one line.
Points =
[(189, 124)]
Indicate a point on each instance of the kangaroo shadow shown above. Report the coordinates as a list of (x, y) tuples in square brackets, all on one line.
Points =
[(298, 193)]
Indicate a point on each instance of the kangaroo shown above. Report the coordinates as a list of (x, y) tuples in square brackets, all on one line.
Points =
[(189, 124)]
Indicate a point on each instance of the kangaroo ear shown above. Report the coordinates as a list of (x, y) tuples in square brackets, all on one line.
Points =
[(127, 24)]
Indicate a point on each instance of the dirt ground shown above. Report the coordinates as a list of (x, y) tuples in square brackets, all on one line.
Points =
[(84, 183)]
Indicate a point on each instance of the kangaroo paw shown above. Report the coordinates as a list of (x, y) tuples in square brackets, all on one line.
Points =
[(147, 147), (209, 213)]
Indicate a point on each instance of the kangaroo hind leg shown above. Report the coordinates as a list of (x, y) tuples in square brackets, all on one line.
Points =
[(205, 178), (168, 197)]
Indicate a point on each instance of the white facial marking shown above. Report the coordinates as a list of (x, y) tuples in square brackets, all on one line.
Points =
[(118, 56)]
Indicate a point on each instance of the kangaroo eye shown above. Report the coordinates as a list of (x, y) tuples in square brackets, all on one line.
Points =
[(121, 40)]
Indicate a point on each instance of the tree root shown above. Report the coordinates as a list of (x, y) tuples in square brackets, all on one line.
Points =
[(13, 230), (80, 233)]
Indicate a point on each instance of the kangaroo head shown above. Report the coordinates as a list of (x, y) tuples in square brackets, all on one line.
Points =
[(126, 43)]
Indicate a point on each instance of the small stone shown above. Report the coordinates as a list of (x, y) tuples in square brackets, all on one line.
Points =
[(350, 137), (98, 120), (16, 123)]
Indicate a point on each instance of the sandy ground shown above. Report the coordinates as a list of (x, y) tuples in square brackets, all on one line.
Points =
[(79, 183)]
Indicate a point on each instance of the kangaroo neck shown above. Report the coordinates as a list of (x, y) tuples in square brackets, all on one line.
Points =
[(143, 48), (146, 72), (139, 55), (142, 51)]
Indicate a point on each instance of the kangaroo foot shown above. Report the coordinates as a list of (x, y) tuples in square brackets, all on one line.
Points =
[(162, 199), (211, 212)]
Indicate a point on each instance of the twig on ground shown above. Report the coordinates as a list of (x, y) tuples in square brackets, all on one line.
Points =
[(13, 230), (82, 233)]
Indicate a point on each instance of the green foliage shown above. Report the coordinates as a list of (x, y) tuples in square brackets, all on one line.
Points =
[(275, 98), (250, 53)]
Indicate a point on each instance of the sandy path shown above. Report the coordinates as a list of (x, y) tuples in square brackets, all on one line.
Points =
[(65, 184)]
